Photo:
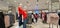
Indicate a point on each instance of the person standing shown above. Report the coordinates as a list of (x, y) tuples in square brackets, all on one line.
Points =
[(41, 14), (20, 19), (43, 17), (32, 17), (24, 15), (25, 19), (36, 17)]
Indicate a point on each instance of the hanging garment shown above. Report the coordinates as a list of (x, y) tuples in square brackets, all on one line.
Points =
[(45, 18), (7, 21), (59, 18), (12, 20), (16, 16), (29, 19), (53, 18), (59, 21), (2, 23)]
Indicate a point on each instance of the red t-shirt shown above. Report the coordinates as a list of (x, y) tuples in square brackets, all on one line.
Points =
[(23, 12)]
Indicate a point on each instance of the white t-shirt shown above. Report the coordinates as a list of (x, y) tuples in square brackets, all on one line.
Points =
[(32, 16)]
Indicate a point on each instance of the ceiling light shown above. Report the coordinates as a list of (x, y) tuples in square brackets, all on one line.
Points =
[(15, 1)]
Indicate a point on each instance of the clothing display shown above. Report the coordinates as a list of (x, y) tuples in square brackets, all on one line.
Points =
[(16, 16), (29, 19), (59, 18), (2, 23), (59, 21), (12, 20), (53, 18), (45, 18), (7, 21)]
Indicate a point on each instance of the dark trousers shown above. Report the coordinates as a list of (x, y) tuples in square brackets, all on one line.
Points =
[(20, 21), (32, 20), (36, 19), (2, 25)]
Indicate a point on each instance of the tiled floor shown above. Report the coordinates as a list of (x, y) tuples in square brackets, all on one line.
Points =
[(39, 24), (16, 25)]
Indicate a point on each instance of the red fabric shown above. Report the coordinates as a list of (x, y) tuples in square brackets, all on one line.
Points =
[(23, 12), (36, 16), (43, 15)]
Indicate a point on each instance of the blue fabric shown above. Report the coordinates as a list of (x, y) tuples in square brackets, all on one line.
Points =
[(24, 23), (36, 11)]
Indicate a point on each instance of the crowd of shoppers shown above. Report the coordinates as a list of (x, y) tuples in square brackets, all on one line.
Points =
[(43, 16), (34, 16)]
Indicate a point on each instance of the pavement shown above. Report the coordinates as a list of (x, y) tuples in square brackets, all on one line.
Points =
[(16, 25), (39, 24)]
